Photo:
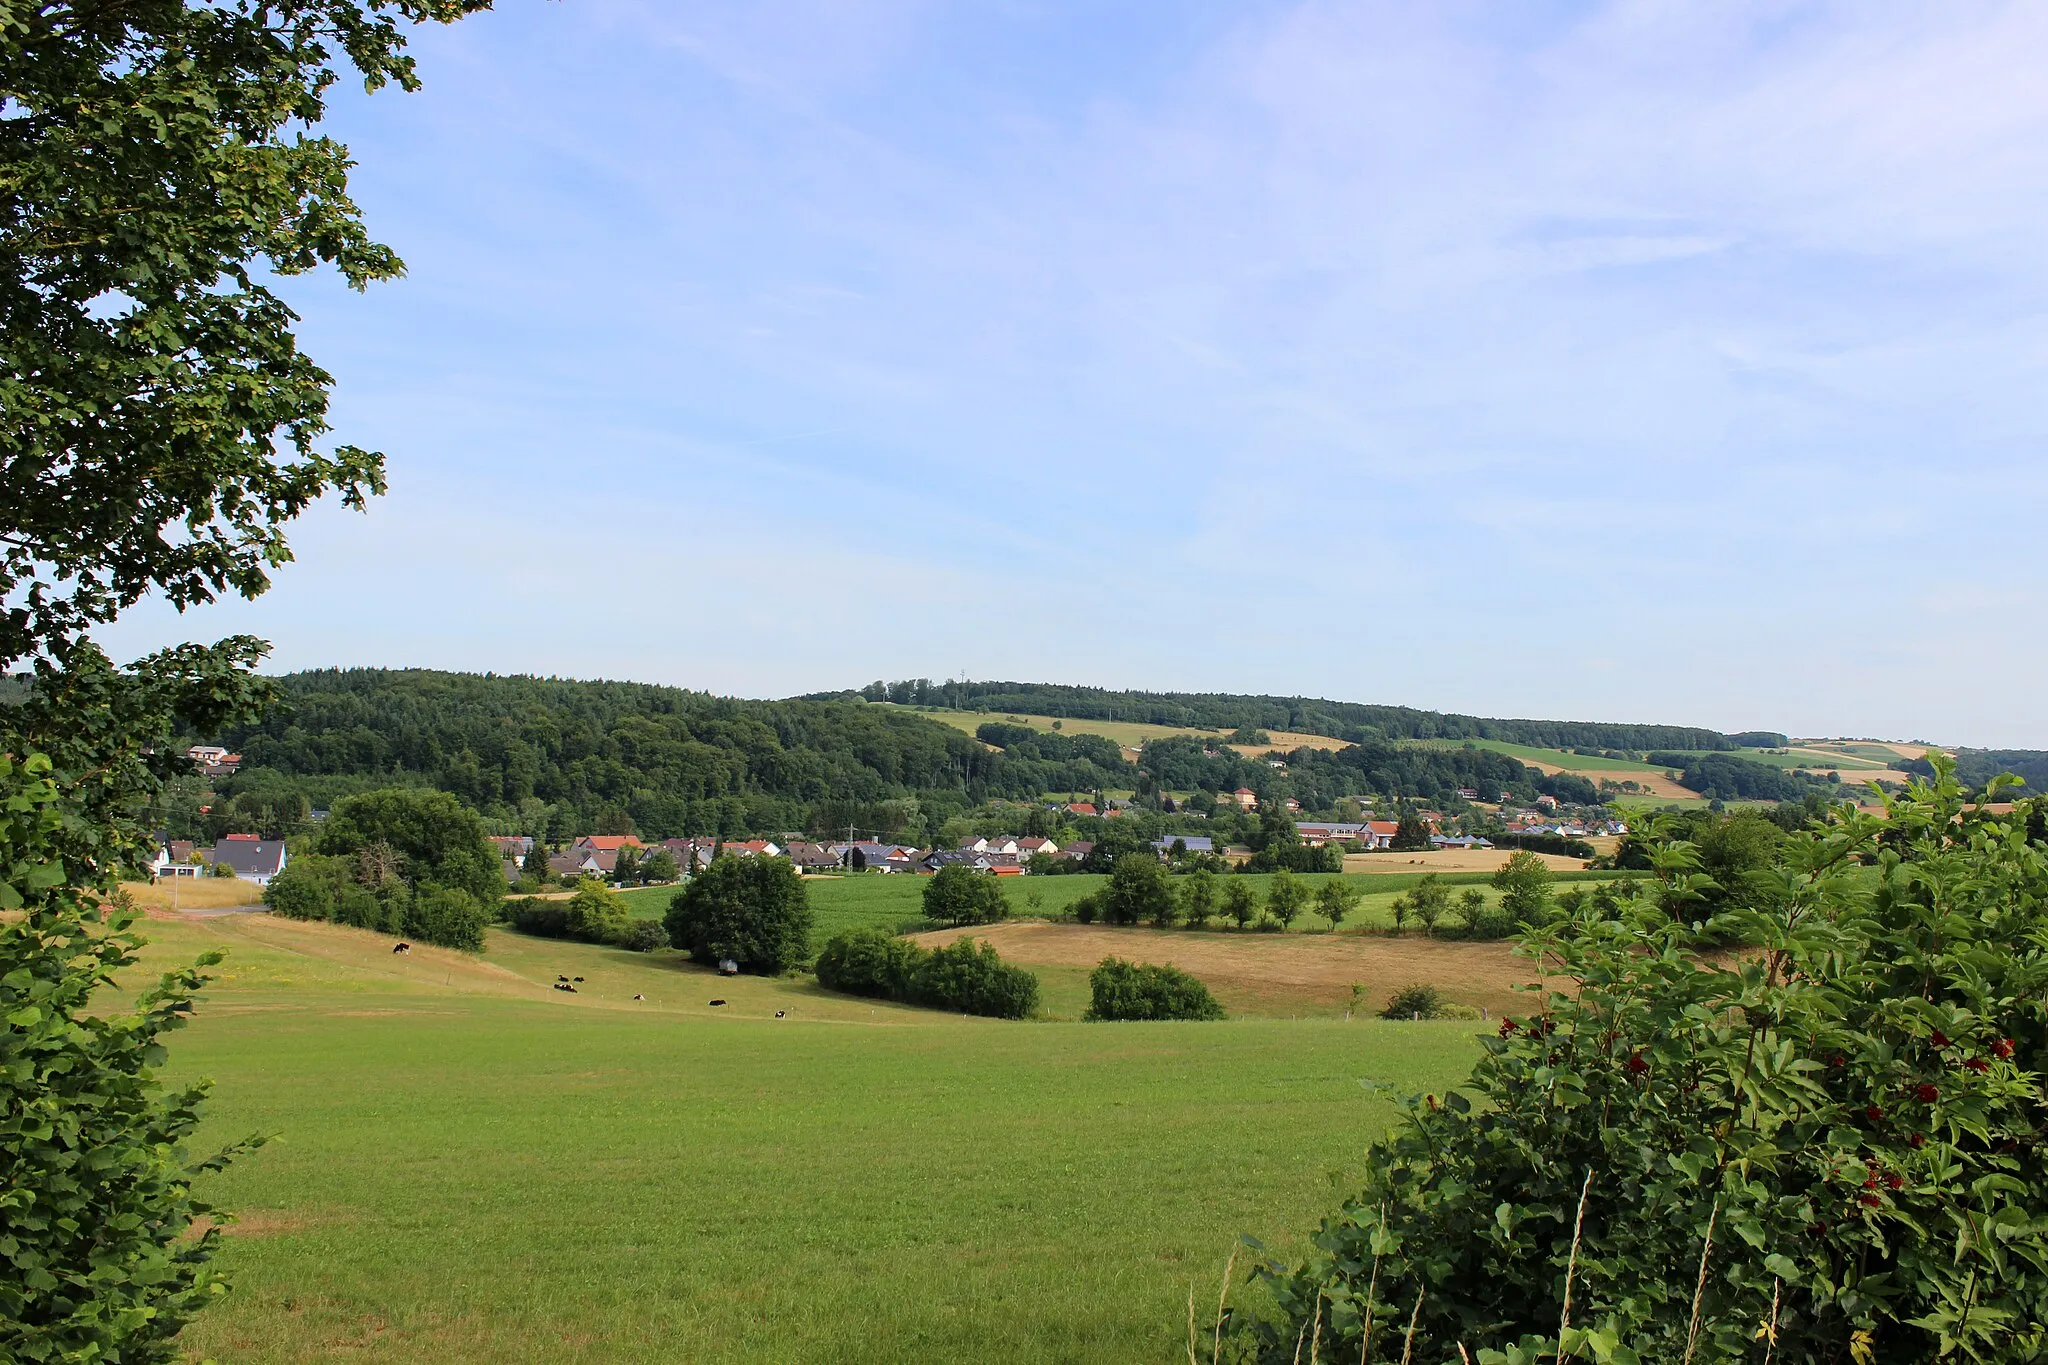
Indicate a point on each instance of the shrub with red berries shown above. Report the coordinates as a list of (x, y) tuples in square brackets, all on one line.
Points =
[(1896, 968)]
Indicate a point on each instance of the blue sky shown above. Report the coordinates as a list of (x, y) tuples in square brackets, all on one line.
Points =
[(1632, 361)]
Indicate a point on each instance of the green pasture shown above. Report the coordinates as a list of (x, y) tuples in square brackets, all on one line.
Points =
[(892, 900), (471, 1168)]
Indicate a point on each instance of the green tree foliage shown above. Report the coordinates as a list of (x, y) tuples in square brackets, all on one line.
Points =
[(1138, 890), (1277, 846), (958, 894), (588, 756), (1198, 898), (659, 866), (595, 914), (1240, 903), (1484, 919), (1724, 777), (1132, 990), (966, 977), (1115, 841), (1426, 902), (644, 936), (100, 1238), (1831, 1140), (365, 891), (156, 172), (1524, 882), (158, 428), (1285, 897), (1411, 835), (1336, 899), (438, 840), (869, 962), (752, 911)]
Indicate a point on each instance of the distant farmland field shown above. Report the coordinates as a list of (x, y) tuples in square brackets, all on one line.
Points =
[(1129, 734), (471, 1167)]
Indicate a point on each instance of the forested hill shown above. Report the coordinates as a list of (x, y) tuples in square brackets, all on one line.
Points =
[(575, 756), (1354, 722)]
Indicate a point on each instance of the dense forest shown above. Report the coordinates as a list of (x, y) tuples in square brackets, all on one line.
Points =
[(1319, 778), (1355, 722), (560, 757), (557, 756)]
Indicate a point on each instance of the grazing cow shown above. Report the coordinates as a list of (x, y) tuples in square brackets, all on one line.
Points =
[(639, 997), (561, 978), (579, 978), (402, 948), (778, 1014), (718, 1002)]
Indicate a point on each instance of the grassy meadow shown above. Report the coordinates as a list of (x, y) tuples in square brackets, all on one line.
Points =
[(894, 900), (471, 1166)]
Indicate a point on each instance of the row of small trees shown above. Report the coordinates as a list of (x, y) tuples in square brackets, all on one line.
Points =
[(1139, 891)]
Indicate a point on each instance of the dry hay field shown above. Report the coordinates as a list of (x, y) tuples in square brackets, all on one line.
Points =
[(1128, 734), (1264, 974), (194, 893), (1451, 860)]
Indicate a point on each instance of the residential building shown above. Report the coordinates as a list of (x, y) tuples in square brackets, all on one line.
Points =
[(1194, 843), (608, 843), (1032, 843), (1246, 798), (254, 859)]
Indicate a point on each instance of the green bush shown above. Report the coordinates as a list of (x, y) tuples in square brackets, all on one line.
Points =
[(445, 915), (326, 887), (960, 895), (542, 919), (644, 936), (969, 978), (965, 976), (869, 962), (1828, 1147), (1133, 990), (1410, 1001), (751, 911), (596, 913)]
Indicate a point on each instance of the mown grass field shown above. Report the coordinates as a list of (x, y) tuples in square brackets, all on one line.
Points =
[(470, 1166)]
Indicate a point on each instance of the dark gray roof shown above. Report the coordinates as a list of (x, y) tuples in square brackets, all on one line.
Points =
[(250, 857)]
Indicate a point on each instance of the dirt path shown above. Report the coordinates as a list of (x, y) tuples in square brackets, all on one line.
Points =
[(1268, 969)]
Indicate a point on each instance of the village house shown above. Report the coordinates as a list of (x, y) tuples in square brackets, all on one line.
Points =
[(607, 843), (254, 859), (1078, 850), (173, 858), (812, 857), (1193, 843), (585, 862), (1246, 798), (1322, 832), (875, 857), (513, 846), (1032, 843), (1079, 808)]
